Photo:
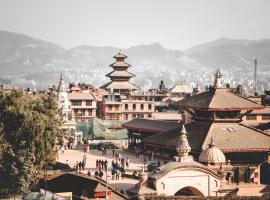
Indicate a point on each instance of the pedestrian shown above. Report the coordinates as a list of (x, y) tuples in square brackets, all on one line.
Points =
[(141, 156), (113, 152), (158, 163), (96, 173), (80, 166), (127, 162), (62, 150), (100, 174), (89, 173), (97, 164), (83, 165), (117, 174), (123, 173)]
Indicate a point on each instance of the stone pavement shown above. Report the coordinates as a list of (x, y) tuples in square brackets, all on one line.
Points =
[(72, 156)]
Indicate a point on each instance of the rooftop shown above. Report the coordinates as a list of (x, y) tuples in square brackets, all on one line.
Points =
[(218, 99), (152, 125), (229, 137), (80, 96)]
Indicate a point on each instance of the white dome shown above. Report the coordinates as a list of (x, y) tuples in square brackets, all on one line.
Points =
[(212, 155)]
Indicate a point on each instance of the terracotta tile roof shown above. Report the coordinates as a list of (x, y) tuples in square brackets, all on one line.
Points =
[(120, 64), (80, 96), (152, 125), (264, 111), (218, 99), (120, 74), (120, 85)]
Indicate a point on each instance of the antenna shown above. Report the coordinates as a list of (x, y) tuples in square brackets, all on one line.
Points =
[(255, 77)]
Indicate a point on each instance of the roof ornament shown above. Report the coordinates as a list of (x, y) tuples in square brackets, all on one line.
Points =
[(183, 149), (120, 52), (212, 143), (218, 76)]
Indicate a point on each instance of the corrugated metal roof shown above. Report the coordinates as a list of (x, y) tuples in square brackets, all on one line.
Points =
[(182, 88)]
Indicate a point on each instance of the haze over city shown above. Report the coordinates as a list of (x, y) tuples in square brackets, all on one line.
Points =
[(120, 23)]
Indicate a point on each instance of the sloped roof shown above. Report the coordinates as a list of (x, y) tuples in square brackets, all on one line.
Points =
[(120, 85), (229, 137), (218, 99), (151, 125), (120, 74), (120, 64), (196, 135), (120, 55), (181, 88), (80, 96), (170, 166), (237, 137), (84, 185), (104, 129), (264, 111)]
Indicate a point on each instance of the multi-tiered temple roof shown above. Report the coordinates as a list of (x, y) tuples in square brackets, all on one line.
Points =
[(217, 114), (120, 77)]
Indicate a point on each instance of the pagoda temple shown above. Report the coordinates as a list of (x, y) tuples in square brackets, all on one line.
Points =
[(120, 77), (217, 114)]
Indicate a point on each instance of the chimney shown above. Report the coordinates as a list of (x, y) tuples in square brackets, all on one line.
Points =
[(255, 77)]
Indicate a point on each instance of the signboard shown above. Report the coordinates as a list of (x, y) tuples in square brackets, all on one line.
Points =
[(102, 193)]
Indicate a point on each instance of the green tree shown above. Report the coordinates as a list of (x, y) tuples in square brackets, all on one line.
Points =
[(29, 128)]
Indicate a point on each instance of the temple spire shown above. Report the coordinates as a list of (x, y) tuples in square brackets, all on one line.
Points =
[(218, 76), (183, 149), (61, 86)]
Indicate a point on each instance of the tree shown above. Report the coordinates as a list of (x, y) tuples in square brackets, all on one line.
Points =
[(29, 128)]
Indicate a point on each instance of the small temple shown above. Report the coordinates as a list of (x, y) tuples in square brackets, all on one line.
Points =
[(216, 115), (120, 77)]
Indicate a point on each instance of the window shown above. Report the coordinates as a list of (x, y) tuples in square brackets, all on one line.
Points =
[(134, 106), (89, 103), (116, 107), (126, 106), (126, 116), (134, 116), (89, 112), (83, 112), (265, 117), (142, 106), (251, 117), (149, 106), (149, 115), (75, 111), (76, 103), (110, 107)]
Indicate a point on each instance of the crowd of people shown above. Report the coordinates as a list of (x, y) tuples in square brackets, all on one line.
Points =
[(80, 166), (118, 166)]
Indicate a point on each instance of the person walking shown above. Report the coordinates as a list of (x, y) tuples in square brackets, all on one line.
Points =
[(127, 162)]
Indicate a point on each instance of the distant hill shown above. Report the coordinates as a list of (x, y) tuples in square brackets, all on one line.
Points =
[(231, 53), (29, 62)]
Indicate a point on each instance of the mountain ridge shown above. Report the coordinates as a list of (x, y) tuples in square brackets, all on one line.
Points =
[(36, 63)]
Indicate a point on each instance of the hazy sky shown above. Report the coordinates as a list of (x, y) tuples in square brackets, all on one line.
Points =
[(177, 24)]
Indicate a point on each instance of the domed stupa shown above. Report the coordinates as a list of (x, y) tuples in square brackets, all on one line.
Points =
[(212, 155)]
